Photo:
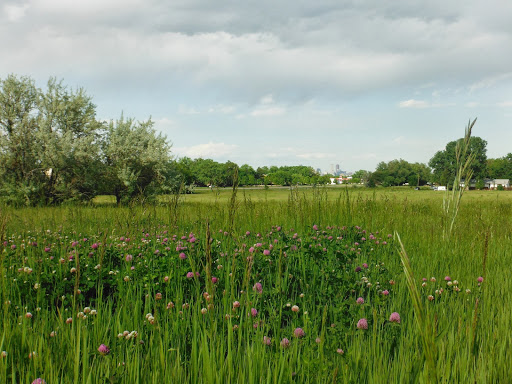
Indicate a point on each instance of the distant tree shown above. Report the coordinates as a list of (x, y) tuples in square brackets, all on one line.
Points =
[(362, 175), (399, 172), (136, 159), (500, 168), (247, 175), (444, 162)]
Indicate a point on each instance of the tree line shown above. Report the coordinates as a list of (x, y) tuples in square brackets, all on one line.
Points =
[(53, 149), (441, 168)]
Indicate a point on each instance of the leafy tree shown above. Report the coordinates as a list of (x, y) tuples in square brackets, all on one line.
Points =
[(68, 137), (248, 176), (48, 143), (21, 174), (444, 162), (399, 172), (500, 168), (362, 175), (136, 160)]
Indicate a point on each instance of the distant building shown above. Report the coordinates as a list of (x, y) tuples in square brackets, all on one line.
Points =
[(488, 183)]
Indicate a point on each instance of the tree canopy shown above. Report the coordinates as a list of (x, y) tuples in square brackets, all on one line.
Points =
[(53, 148), (444, 162)]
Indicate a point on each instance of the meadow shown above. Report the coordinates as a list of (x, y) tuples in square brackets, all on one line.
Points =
[(303, 285)]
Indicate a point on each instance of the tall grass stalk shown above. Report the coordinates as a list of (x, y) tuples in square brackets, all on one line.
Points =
[(423, 324), (464, 160)]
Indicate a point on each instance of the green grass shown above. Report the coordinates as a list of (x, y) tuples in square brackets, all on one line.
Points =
[(470, 331)]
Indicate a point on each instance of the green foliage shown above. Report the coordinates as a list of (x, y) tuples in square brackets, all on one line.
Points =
[(500, 168), (399, 172), (444, 163), (53, 149), (136, 160)]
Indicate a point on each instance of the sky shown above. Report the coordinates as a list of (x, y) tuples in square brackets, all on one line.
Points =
[(315, 83)]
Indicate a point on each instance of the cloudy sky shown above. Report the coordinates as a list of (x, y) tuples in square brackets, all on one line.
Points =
[(322, 82)]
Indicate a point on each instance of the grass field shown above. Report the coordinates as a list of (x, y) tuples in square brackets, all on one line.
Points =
[(277, 285)]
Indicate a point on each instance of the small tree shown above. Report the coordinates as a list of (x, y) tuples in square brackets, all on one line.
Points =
[(136, 160)]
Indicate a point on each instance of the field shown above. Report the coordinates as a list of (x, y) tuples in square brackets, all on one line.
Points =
[(265, 285)]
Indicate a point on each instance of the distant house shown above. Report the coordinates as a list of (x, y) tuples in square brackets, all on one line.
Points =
[(340, 179), (494, 184), (441, 188), (488, 183)]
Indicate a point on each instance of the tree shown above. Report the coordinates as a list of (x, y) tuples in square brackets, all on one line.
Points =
[(48, 143), (68, 137), (500, 168), (21, 174), (444, 162), (136, 160)]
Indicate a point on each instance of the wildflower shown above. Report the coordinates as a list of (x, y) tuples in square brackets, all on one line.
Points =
[(447, 278), (53, 333), (182, 256), (394, 317), (285, 343), (103, 350), (3, 354), (340, 351), (360, 300), (362, 324), (28, 315), (158, 296), (480, 279), (258, 288), (430, 297), (236, 304), (433, 279), (126, 278), (392, 282), (315, 227), (69, 320), (214, 279), (204, 311), (298, 333), (190, 275), (365, 266), (72, 270), (385, 292), (468, 291), (254, 312), (266, 252), (39, 381), (318, 340), (295, 308), (170, 305), (128, 258), (267, 340), (93, 312)]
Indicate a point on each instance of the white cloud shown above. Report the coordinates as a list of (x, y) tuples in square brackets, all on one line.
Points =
[(268, 111), (505, 104), (268, 99), (317, 155), (490, 81), (209, 150), (15, 12), (222, 109), (185, 110), (413, 104)]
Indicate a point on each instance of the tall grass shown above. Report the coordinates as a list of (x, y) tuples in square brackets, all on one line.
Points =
[(469, 331)]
